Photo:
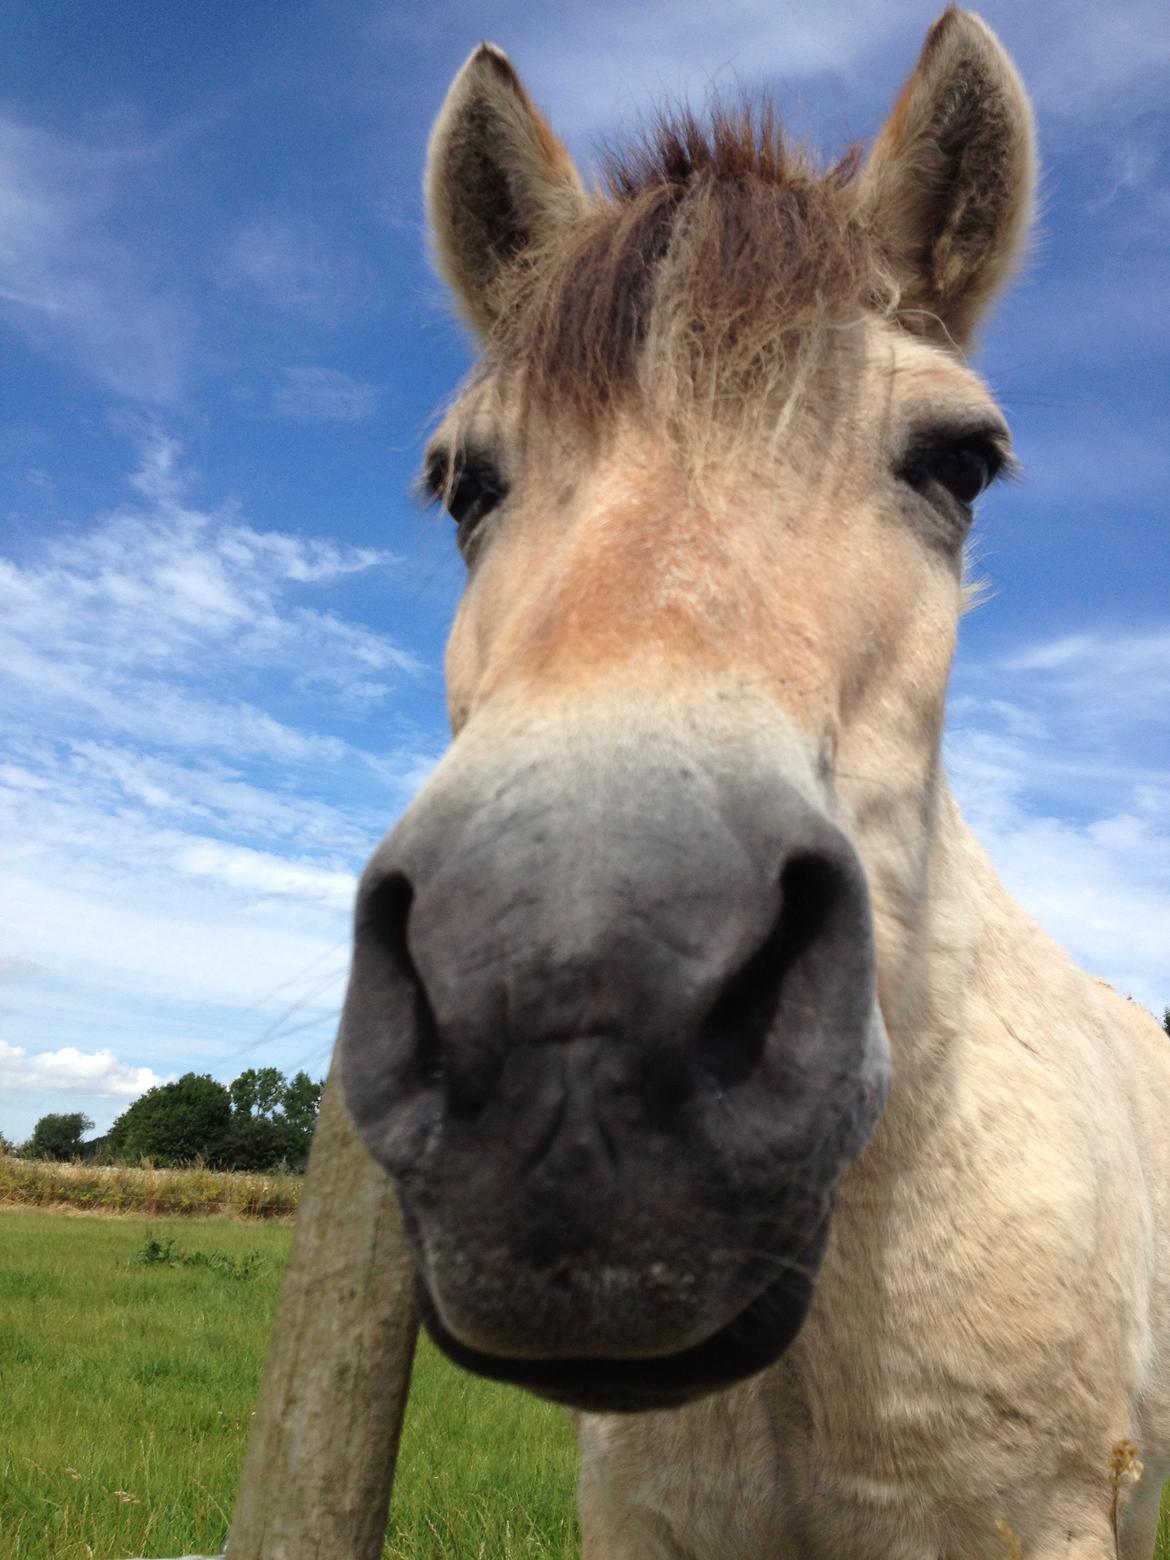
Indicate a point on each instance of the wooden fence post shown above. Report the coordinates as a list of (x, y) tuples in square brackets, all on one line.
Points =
[(320, 1459)]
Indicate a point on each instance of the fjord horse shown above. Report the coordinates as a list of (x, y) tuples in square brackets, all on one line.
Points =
[(729, 1098)]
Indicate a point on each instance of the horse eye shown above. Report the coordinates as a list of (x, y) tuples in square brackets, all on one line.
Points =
[(469, 490), (964, 467), (965, 472)]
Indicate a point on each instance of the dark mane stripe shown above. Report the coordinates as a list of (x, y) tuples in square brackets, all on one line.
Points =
[(714, 244)]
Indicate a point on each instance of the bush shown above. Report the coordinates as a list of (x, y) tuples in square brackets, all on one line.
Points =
[(58, 1136), (257, 1143), (156, 1252), (173, 1123)]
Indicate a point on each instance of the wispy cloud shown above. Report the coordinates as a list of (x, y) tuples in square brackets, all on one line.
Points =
[(263, 873), (17, 969), (295, 267), (1099, 886), (68, 280), (166, 839), (136, 620), (1111, 660), (1061, 759), (1109, 679), (324, 395), (1083, 62), (592, 66)]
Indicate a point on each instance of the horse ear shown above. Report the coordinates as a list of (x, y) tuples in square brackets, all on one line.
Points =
[(497, 182), (950, 180)]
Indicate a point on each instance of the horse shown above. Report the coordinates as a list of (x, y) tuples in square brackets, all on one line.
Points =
[(729, 1098)]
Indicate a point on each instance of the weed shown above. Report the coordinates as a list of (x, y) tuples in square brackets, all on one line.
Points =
[(1011, 1544), (154, 1250), (164, 1253), (1124, 1468)]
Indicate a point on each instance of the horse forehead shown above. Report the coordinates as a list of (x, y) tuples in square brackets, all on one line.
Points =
[(918, 375), (895, 375)]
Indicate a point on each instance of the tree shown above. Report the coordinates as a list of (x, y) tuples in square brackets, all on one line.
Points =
[(272, 1120), (258, 1121), (1166, 1020), (302, 1101), (257, 1091), (59, 1136), (174, 1123)]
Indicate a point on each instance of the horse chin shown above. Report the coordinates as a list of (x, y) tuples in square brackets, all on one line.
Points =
[(752, 1340)]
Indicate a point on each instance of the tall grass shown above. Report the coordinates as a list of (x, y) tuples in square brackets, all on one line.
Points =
[(205, 1193)]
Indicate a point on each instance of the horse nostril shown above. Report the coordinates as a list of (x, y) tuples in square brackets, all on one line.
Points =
[(384, 922), (734, 1034)]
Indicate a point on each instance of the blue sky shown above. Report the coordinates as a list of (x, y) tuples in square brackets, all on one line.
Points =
[(221, 617)]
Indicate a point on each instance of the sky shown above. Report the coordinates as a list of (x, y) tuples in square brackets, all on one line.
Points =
[(222, 616)]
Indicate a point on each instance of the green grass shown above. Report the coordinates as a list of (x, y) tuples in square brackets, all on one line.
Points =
[(130, 1358), (126, 1388)]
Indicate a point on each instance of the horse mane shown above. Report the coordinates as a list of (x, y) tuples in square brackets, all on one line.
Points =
[(713, 247)]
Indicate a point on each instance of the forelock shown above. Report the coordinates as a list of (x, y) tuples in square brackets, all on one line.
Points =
[(713, 252)]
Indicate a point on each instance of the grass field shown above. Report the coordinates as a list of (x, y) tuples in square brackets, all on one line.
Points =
[(126, 1389), (126, 1386)]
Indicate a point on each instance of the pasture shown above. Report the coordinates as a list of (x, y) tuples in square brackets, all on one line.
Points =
[(127, 1387)]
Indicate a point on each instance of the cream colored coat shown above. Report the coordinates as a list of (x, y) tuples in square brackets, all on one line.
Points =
[(985, 1371), (989, 1331)]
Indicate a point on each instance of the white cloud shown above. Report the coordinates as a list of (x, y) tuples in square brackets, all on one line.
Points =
[(149, 710), (187, 787), (98, 1074), (67, 277), (17, 969), (1109, 679), (1082, 60), (590, 66), (263, 873), (177, 855), (593, 67), (311, 394), (112, 898), (1060, 759), (1105, 660), (1098, 886), (295, 267), (136, 618)]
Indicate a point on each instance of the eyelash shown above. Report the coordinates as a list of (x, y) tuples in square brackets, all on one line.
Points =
[(963, 464), (469, 488)]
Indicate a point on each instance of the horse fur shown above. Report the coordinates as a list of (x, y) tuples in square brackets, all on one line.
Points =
[(693, 386)]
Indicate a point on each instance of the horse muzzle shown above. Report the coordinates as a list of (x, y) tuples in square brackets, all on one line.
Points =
[(612, 1028)]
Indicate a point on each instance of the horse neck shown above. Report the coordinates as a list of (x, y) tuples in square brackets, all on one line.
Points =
[(942, 918)]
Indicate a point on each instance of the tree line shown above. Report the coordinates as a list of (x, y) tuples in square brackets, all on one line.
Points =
[(260, 1121)]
